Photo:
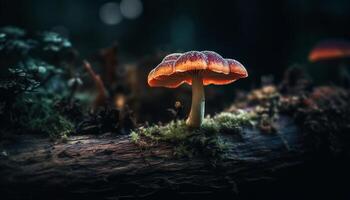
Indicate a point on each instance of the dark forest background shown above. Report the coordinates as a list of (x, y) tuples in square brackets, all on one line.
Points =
[(266, 36)]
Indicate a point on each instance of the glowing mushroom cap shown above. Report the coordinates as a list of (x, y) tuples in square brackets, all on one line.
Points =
[(178, 68), (330, 49)]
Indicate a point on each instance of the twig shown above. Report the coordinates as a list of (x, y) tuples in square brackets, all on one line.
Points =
[(101, 97)]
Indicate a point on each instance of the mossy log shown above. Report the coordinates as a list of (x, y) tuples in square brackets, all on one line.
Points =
[(112, 167)]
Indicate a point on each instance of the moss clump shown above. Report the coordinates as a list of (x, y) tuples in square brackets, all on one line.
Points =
[(233, 121), (40, 116), (187, 142)]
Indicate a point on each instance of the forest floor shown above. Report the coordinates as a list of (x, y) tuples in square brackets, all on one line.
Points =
[(244, 152)]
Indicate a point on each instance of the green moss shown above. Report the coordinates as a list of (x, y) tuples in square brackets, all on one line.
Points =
[(188, 142), (233, 121), (174, 131), (54, 125), (40, 116)]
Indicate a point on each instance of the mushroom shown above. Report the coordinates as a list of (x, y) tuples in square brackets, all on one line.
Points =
[(197, 69), (329, 50), (333, 52)]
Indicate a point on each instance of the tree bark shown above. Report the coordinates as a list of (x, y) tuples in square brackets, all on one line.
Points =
[(112, 167)]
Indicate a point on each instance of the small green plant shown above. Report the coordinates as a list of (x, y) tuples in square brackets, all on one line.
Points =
[(134, 137)]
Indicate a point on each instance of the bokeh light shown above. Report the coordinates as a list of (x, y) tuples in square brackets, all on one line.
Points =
[(110, 13), (131, 9)]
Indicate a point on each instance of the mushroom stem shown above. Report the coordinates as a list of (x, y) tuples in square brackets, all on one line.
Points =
[(196, 115)]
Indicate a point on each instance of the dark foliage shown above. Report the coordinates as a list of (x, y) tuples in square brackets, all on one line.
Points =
[(324, 118), (295, 81), (31, 81), (106, 120)]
